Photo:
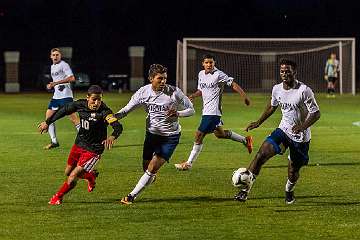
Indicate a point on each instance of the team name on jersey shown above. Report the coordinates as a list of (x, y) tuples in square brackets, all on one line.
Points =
[(54, 74), (287, 106), (158, 108), (208, 85)]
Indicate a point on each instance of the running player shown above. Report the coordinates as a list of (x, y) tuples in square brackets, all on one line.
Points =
[(164, 105), (62, 77), (90, 142), (211, 84), (299, 111)]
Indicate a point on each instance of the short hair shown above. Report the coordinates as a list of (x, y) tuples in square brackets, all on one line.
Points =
[(94, 89), (285, 61), (205, 56), (156, 69), (55, 50)]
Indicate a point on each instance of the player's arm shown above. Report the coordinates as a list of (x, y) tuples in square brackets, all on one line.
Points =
[(269, 110), (134, 103), (68, 79), (236, 87), (67, 109), (192, 96), (117, 130), (310, 120), (185, 104)]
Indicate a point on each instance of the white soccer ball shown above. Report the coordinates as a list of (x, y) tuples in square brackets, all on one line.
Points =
[(241, 177)]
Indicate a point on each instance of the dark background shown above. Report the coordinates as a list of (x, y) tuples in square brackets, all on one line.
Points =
[(100, 32)]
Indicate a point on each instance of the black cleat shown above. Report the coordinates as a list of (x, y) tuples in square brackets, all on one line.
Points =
[(289, 197), (51, 145), (241, 196)]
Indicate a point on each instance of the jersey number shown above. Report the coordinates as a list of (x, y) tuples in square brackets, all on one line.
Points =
[(85, 124)]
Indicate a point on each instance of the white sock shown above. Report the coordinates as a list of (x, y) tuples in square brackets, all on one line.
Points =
[(289, 187), (194, 153), (77, 126), (52, 133), (237, 137), (144, 181)]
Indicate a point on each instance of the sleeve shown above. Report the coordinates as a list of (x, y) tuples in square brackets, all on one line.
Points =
[(184, 104), (134, 102), (110, 119), (309, 100), (67, 70), (274, 102), (223, 78), (67, 109)]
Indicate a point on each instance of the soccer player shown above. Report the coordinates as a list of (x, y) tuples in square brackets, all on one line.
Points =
[(211, 83), (90, 142), (62, 77), (164, 105), (299, 111), (331, 74)]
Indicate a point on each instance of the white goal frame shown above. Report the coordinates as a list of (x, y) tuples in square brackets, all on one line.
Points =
[(182, 57)]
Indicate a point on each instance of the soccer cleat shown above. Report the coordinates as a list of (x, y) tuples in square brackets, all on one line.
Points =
[(249, 143), (241, 196), (289, 197), (55, 200), (127, 200), (51, 145), (91, 184), (184, 166)]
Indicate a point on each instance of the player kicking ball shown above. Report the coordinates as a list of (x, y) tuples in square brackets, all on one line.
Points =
[(90, 141)]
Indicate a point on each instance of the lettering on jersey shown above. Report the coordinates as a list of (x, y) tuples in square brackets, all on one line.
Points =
[(92, 117), (287, 106), (54, 74), (158, 108), (208, 85)]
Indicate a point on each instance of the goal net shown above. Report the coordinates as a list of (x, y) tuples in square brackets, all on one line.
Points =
[(254, 63)]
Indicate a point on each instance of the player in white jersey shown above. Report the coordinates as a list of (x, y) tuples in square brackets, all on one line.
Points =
[(62, 77), (299, 111), (211, 84), (164, 104)]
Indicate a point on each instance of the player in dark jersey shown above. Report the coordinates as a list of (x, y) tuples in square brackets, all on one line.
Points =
[(90, 141)]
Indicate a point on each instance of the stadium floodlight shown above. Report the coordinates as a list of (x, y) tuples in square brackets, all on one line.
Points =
[(253, 62)]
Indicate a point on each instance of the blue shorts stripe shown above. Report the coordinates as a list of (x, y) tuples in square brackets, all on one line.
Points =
[(276, 146)]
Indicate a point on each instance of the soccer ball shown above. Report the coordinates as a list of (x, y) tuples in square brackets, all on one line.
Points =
[(241, 177)]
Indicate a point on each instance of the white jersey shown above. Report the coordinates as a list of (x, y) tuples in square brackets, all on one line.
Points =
[(211, 86), (295, 104), (59, 72), (157, 104)]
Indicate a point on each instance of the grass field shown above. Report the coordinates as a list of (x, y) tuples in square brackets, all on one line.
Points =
[(180, 205)]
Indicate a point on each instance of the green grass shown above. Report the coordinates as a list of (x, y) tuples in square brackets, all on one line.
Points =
[(180, 205)]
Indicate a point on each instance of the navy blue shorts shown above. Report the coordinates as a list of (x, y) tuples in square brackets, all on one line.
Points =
[(299, 152), (55, 104), (209, 123), (163, 146)]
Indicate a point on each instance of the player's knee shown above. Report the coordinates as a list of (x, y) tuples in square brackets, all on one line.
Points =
[(221, 134)]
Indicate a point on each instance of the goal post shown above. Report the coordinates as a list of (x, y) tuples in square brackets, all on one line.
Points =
[(253, 62)]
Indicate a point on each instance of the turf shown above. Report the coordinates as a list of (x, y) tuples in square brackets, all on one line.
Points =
[(189, 205)]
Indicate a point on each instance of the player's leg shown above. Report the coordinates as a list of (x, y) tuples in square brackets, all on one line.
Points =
[(51, 130), (219, 132)]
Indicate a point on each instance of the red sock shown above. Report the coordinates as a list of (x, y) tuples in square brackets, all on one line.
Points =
[(89, 176), (65, 188)]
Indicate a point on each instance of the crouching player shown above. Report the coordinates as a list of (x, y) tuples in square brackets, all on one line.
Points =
[(90, 141)]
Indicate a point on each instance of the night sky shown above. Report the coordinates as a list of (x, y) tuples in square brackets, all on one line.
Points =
[(100, 32)]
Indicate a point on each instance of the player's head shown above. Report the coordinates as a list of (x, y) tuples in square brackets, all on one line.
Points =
[(333, 55), (157, 76), (208, 62), (94, 97), (287, 71), (55, 55)]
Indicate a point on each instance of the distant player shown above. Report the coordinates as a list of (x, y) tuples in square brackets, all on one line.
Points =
[(164, 105), (62, 77), (90, 142), (211, 83), (299, 111), (332, 69)]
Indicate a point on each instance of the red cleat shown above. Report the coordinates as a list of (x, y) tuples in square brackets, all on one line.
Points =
[(249, 143), (55, 200), (92, 183)]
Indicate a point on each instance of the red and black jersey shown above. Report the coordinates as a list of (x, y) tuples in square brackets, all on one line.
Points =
[(93, 123)]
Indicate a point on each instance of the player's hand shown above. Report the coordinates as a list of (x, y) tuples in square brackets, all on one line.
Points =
[(252, 126), (109, 142), (172, 113), (191, 97), (297, 129), (247, 101), (43, 127), (326, 77)]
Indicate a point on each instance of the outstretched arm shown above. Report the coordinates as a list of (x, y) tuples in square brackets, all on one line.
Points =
[(242, 93), (269, 110)]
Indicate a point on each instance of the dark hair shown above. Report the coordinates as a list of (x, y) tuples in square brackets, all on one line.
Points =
[(95, 89), (285, 61), (156, 69), (205, 56)]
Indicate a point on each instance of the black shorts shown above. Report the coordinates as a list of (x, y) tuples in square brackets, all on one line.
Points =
[(332, 79)]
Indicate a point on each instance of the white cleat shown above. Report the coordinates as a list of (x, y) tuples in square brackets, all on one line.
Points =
[(184, 166)]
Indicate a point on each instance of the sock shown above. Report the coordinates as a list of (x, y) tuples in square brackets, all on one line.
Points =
[(52, 133), (77, 126), (289, 187), (329, 90), (144, 181), (88, 176), (237, 137), (194, 153), (65, 188)]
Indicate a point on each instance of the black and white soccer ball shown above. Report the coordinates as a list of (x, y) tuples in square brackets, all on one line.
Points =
[(241, 177)]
